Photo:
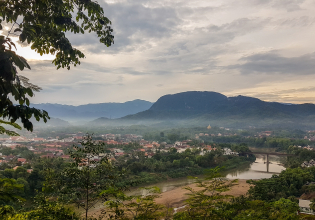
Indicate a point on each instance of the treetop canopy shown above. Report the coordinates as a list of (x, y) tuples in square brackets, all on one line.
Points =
[(44, 23)]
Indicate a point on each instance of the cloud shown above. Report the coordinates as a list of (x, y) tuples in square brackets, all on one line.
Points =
[(292, 95), (272, 63), (167, 46), (134, 25), (288, 5), (299, 22), (291, 5)]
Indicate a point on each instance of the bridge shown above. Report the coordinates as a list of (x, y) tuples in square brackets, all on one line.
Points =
[(270, 153)]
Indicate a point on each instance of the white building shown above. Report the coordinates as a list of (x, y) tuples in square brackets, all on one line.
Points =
[(305, 206), (228, 151)]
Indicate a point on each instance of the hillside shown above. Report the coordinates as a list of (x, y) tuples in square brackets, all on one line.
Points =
[(93, 111), (202, 108), (52, 122)]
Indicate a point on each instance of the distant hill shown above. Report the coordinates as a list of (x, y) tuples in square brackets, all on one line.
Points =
[(202, 108), (93, 111), (53, 122)]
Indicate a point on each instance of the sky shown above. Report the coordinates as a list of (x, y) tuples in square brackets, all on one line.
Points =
[(258, 48)]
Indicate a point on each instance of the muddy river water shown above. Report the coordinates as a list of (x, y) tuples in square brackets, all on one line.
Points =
[(256, 170)]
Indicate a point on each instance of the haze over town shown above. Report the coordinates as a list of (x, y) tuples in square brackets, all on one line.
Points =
[(207, 106)]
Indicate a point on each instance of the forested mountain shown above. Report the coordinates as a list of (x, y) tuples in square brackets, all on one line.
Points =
[(93, 111), (201, 108)]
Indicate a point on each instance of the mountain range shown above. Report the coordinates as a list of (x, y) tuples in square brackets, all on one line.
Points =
[(194, 108), (92, 111), (201, 108)]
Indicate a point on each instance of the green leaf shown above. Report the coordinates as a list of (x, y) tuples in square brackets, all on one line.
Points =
[(22, 37)]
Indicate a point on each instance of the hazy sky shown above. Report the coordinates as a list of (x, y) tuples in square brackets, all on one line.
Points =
[(259, 48)]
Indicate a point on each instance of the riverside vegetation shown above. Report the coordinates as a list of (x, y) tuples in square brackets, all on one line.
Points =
[(54, 177), (56, 186)]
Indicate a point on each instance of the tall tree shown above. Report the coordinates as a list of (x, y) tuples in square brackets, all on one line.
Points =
[(17, 87), (10, 191), (136, 207), (205, 203), (43, 25), (83, 181)]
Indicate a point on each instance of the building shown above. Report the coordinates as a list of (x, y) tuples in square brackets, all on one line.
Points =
[(18, 139), (228, 151), (22, 160), (305, 206), (38, 139)]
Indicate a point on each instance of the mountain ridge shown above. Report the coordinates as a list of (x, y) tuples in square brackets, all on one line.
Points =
[(95, 110), (203, 107)]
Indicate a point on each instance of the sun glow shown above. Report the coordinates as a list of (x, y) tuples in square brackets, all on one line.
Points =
[(27, 52)]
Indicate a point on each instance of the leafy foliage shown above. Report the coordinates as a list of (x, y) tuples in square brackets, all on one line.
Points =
[(287, 183), (209, 203), (301, 155), (44, 209), (10, 190), (245, 208), (84, 179), (204, 203), (138, 207), (14, 85), (44, 24)]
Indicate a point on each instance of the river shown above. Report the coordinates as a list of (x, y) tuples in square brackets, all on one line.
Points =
[(256, 170)]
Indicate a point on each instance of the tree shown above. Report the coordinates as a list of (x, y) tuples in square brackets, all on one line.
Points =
[(10, 190), (83, 180), (18, 87), (43, 209), (244, 208), (35, 180), (173, 137), (42, 24), (48, 210), (284, 209), (21, 172), (206, 202), (139, 207), (6, 212), (288, 183), (6, 151), (312, 205)]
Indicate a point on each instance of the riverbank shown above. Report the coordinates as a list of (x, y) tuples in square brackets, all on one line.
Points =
[(176, 197), (173, 194), (147, 178)]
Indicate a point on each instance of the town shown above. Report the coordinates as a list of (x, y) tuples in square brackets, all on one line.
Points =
[(11, 147)]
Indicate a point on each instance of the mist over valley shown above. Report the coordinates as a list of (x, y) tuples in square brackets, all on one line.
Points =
[(192, 109)]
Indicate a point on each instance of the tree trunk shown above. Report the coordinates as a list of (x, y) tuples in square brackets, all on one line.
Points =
[(87, 191)]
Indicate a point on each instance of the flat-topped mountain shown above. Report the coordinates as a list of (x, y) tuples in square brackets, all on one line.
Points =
[(189, 101), (201, 108)]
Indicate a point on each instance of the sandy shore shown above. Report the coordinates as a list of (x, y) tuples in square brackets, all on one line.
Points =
[(175, 198)]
